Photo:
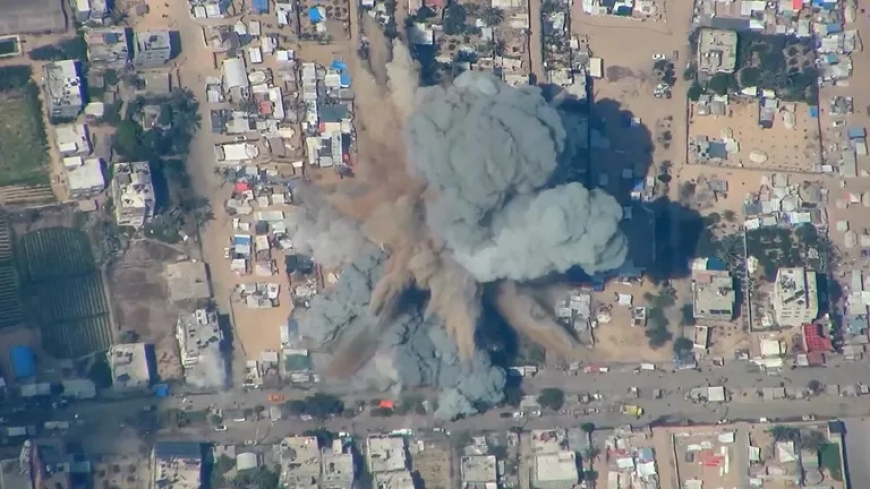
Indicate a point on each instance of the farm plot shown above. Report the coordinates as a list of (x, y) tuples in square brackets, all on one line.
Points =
[(55, 252), (10, 293), (23, 143), (65, 292)]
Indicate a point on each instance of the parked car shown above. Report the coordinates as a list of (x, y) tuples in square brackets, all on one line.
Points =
[(839, 123), (658, 56)]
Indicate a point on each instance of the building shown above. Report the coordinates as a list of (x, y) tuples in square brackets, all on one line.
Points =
[(717, 51), (713, 295), (63, 89), (72, 140), (176, 465), (795, 297), (555, 470), (109, 47), (79, 388), (338, 471), (300, 461), (187, 281), (14, 475), (133, 193), (151, 49), (386, 454), (32, 17), (84, 177), (196, 333), (91, 11), (394, 480), (478, 470), (131, 366), (208, 9)]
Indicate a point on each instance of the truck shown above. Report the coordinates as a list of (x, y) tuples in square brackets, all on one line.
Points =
[(632, 410)]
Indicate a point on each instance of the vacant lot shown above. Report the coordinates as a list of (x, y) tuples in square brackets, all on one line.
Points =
[(65, 292), (23, 147)]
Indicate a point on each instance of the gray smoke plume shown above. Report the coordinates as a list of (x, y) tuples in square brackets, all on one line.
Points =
[(209, 372), (325, 235), (489, 150), (412, 350)]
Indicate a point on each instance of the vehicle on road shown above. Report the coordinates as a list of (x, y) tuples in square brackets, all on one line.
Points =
[(220, 427), (276, 398), (632, 410), (658, 56), (838, 123)]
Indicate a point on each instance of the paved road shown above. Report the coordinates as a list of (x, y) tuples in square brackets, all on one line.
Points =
[(536, 48)]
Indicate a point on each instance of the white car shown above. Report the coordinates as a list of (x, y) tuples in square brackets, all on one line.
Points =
[(839, 123), (220, 427), (658, 56)]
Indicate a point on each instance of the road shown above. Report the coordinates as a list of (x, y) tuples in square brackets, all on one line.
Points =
[(536, 47)]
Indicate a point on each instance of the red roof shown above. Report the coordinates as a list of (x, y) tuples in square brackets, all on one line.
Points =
[(241, 187), (796, 5), (813, 339)]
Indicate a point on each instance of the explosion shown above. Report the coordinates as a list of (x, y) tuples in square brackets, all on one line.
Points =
[(464, 207)]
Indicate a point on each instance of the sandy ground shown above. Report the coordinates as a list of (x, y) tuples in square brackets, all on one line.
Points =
[(795, 150)]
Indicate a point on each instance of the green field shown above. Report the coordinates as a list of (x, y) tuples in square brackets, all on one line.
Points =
[(23, 144), (64, 290), (10, 292)]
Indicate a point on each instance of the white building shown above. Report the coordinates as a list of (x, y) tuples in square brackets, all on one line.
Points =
[(196, 333), (394, 480), (108, 47), (207, 9), (152, 49), (387, 460), (72, 140), (555, 471), (63, 89), (84, 177), (133, 193), (91, 10), (338, 472), (176, 465), (300, 461), (131, 369), (795, 297)]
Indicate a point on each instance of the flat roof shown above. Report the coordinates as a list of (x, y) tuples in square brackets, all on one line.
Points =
[(130, 366), (478, 468), (394, 480), (386, 453), (88, 175), (555, 467), (717, 50), (300, 460), (72, 139)]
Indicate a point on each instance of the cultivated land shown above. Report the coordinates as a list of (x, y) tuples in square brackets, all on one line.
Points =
[(10, 293), (23, 147), (65, 291)]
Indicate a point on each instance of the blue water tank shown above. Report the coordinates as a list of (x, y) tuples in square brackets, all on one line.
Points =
[(23, 361)]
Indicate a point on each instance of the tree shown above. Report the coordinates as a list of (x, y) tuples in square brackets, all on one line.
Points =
[(493, 16), (258, 478), (588, 428), (323, 405), (683, 344), (729, 215), (695, 91), (100, 372), (814, 386), (813, 440), (591, 453), (455, 16), (128, 141), (551, 397), (750, 76), (720, 83), (784, 433)]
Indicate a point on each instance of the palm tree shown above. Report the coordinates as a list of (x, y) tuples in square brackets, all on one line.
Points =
[(784, 433), (495, 47), (812, 440), (493, 16)]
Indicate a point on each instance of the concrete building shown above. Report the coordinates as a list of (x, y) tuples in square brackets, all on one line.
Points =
[(208, 9), (717, 51), (386, 454), (300, 461), (84, 177), (477, 471), (394, 480), (133, 193), (14, 476), (32, 17), (713, 295), (72, 140), (131, 366), (151, 49), (197, 333), (338, 471), (91, 11), (63, 89), (555, 471), (109, 47), (176, 465), (795, 297)]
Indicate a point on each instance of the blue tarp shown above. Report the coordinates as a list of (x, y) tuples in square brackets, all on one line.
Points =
[(814, 111), (856, 132), (23, 361), (340, 66), (260, 6), (314, 15), (161, 390)]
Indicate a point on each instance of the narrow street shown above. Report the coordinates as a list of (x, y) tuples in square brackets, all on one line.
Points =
[(536, 47)]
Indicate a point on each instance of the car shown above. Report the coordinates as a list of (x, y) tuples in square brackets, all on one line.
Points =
[(658, 56), (839, 123), (220, 427), (505, 415), (809, 417)]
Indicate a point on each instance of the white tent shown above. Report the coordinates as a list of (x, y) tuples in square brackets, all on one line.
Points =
[(234, 73)]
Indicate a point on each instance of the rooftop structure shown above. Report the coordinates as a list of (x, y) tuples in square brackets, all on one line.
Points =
[(338, 472), (91, 10), (176, 465), (152, 49), (555, 470), (33, 17), (133, 193), (196, 333), (207, 9), (72, 140), (717, 51), (84, 177), (394, 480), (300, 462), (63, 89), (478, 469), (713, 295), (130, 366), (108, 47), (187, 280), (549, 441), (795, 297), (386, 454)]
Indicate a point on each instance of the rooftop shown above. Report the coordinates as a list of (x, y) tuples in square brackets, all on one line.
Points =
[(133, 181), (548, 441), (198, 331), (130, 368), (11, 475), (337, 468), (300, 461), (177, 465), (386, 454), (83, 174), (713, 294), (153, 40), (187, 280), (72, 139), (63, 87), (717, 51), (109, 45), (394, 480), (556, 467), (478, 468)]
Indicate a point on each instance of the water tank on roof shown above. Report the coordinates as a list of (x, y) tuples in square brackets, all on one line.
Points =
[(23, 361)]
